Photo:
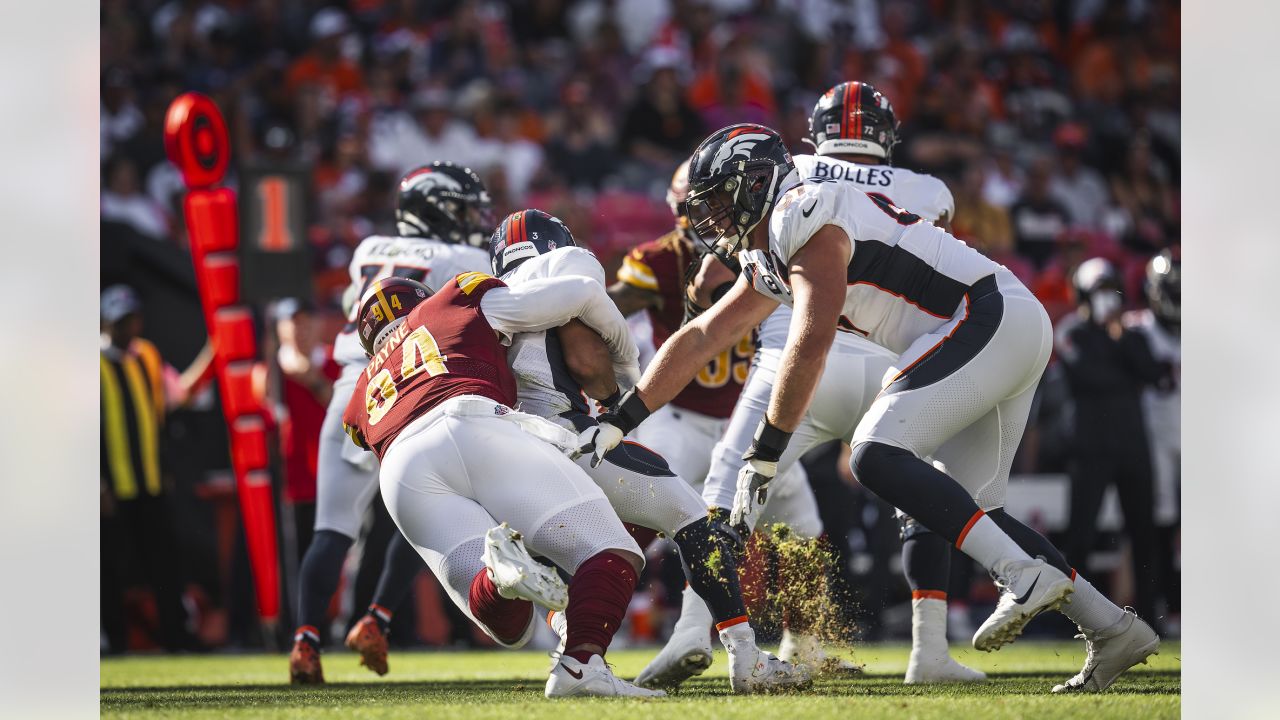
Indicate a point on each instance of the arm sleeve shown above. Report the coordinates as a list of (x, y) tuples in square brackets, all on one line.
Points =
[(539, 305), (581, 262)]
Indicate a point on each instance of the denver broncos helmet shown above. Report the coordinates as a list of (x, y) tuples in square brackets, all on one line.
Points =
[(444, 201), (523, 235), (734, 177), (384, 306), (854, 118)]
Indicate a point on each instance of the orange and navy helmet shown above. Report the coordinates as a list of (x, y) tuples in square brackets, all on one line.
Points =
[(384, 306), (856, 119), (523, 235)]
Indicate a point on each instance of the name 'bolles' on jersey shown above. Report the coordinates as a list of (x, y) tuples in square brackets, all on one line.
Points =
[(923, 195), (906, 276), (429, 261), (444, 348), (544, 386)]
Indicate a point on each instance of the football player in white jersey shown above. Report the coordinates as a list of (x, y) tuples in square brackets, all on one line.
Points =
[(531, 245), (443, 218), (1161, 323), (971, 341), (857, 152)]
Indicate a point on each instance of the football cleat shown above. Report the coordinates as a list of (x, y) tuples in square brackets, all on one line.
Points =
[(1112, 651), (367, 639), (1027, 588), (801, 649), (752, 670), (570, 678), (304, 664), (686, 654), (927, 668), (517, 575)]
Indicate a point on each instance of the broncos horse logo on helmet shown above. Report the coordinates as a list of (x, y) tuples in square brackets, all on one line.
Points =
[(734, 177), (444, 201)]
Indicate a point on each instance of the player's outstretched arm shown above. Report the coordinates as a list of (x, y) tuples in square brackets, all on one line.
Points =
[(818, 282), (692, 347), (539, 305), (677, 361)]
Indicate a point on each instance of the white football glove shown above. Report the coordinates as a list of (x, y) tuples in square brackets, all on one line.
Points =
[(597, 441), (753, 489)]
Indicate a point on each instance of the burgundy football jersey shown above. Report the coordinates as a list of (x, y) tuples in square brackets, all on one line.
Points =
[(659, 266), (443, 349)]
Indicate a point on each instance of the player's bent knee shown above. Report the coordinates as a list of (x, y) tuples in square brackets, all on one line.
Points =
[(872, 462)]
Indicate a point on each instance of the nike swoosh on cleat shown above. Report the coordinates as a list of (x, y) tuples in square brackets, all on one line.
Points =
[(577, 674), (809, 212), (1025, 595)]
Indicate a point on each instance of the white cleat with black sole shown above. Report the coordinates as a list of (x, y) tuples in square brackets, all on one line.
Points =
[(517, 575), (1111, 652), (1027, 588), (570, 678), (752, 670)]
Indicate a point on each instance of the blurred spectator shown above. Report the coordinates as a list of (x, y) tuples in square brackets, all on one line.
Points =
[(458, 53), (984, 226), (400, 141), (307, 374), (1002, 178), (1107, 366), (324, 66), (519, 158), (124, 201), (581, 145), (1142, 191), (660, 129), (1038, 219), (138, 545), (119, 118), (1078, 188)]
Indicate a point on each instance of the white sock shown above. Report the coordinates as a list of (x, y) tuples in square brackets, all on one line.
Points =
[(1090, 609), (929, 625), (694, 613), (988, 544)]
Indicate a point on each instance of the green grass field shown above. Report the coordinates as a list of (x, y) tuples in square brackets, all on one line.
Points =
[(509, 685)]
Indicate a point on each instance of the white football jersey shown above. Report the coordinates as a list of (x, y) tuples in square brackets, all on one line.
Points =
[(1162, 408), (906, 277), (924, 195), (429, 261), (544, 386)]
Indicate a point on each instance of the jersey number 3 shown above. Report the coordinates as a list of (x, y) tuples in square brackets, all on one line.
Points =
[(419, 352)]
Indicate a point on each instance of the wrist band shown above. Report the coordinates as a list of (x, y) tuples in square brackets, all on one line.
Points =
[(630, 412), (769, 443)]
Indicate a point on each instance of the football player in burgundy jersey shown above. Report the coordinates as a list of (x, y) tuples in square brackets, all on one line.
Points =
[(972, 344), (442, 217), (434, 404)]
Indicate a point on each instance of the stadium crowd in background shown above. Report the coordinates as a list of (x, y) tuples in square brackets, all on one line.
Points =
[(1054, 123)]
